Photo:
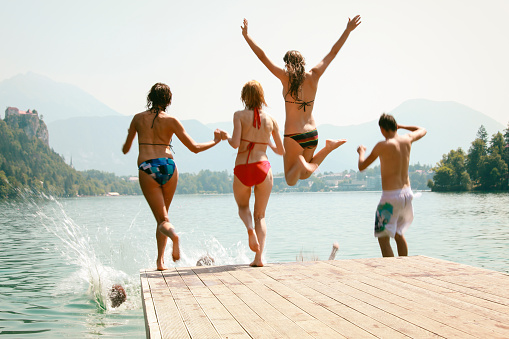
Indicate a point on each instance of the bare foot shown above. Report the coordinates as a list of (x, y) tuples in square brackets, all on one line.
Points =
[(256, 263), (161, 266), (253, 240), (176, 249), (333, 144)]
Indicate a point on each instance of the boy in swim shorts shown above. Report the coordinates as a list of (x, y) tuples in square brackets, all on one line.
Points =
[(394, 213)]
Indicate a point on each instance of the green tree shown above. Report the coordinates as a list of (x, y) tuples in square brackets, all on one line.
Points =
[(451, 174), (482, 134), (497, 144)]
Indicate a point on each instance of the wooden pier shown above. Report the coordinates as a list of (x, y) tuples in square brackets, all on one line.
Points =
[(416, 297)]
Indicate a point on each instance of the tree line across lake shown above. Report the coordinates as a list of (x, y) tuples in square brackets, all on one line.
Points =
[(27, 164), (483, 168)]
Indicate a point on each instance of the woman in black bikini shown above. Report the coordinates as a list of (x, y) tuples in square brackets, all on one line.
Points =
[(299, 91), (158, 173)]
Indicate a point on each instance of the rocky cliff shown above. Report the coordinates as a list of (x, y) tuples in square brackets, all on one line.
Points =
[(29, 122)]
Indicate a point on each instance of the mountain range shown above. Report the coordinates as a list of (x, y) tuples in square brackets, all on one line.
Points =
[(54, 100), (93, 134)]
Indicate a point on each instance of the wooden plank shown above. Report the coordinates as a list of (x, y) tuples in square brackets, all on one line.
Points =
[(272, 316), (463, 297), (416, 297), (354, 323), (168, 315), (253, 324), (423, 301), (378, 309), (222, 320), (195, 319), (151, 325)]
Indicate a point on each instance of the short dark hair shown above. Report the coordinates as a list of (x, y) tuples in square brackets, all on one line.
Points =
[(159, 97), (387, 122)]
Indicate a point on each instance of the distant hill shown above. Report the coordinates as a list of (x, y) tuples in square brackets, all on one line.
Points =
[(95, 143), (450, 125), (53, 100)]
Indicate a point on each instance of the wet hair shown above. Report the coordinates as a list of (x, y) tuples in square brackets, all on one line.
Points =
[(294, 63), (117, 295), (387, 122), (252, 95), (159, 97)]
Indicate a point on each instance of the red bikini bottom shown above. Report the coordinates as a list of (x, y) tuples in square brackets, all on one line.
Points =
[(252, 174)]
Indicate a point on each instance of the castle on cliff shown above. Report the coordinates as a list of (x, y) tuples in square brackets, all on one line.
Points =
[(29, 122)]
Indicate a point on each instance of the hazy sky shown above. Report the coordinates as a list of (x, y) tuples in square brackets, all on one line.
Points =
[(445, 50)]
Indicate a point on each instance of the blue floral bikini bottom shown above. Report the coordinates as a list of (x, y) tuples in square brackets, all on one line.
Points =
[(160, 169)]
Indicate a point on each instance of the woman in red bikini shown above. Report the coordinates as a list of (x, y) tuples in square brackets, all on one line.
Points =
[(157, 171), (252, 129), (299, 91)]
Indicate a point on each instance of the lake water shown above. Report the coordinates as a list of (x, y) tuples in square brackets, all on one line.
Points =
[(58, 258)]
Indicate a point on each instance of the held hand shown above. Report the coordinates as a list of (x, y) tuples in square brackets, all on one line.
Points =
[(217, 135), (352, 23), (244, 28), (224, 135), (361, 149)]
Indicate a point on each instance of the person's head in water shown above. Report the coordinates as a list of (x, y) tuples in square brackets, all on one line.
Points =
[(387, 123), (117, 295), (252, 95), (294, 64), (159, 97)]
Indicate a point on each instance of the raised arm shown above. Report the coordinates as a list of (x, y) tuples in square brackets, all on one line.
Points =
[(131, 133), (278, 148), (192, 145), (416, 132), (277, 71), (365, 162), (319, 69)]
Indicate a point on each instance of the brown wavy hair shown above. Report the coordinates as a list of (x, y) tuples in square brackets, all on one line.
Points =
[(159, 97), (252, 95), (294, 63)]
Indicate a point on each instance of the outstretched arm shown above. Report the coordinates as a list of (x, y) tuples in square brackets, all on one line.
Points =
[(365, 162), (277, 71), (192, 145), (416, 132), (131, 133), (319, 69)]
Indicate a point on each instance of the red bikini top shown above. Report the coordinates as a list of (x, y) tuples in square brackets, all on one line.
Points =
[(257, 122)]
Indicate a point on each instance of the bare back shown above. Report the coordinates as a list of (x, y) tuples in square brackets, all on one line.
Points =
[(153, 141), (249, 133), (394, 156), (298, 119)]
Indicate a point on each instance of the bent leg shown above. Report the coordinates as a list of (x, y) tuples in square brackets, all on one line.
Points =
[(295, 164), (318, 158), (385, 246), (402, 245), (262, 194), (242, 193), (169, 192), (155, 198)]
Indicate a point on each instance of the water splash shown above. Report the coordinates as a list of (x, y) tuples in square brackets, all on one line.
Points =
[(75, 246)]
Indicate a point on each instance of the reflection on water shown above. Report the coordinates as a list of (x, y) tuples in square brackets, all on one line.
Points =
[(59, 258)]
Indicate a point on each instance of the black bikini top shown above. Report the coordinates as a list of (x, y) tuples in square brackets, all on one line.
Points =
[(170, 145), (145, 143), (302, 104)]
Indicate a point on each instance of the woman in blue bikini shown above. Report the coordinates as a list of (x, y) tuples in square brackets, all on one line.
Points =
[(299, 91), (157, 171)]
